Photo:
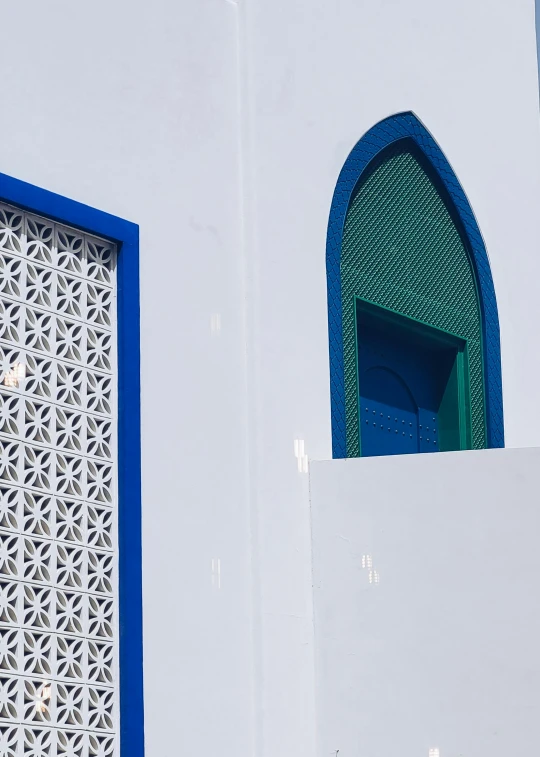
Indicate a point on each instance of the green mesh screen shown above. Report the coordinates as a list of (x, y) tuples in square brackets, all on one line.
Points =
[(402, 250)]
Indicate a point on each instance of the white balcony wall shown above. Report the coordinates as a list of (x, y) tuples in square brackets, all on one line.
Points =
[(426, 586)]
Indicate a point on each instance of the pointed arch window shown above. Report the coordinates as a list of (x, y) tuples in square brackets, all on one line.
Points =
[(414, 335)]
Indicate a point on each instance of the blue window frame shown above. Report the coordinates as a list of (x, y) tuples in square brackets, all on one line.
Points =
[(126, 235), (399, 127)]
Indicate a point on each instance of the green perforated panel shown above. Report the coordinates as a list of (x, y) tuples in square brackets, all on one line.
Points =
[(403, 251)]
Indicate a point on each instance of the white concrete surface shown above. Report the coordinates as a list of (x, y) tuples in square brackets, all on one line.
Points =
[(320, 74), (427, 604)]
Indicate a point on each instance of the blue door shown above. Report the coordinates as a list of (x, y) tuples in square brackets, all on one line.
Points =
[(389, 415), (401, 381)]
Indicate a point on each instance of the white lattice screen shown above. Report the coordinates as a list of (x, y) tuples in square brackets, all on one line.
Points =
[(58, 556)]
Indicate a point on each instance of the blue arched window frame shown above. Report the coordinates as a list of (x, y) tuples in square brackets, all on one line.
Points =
[(380, 136)]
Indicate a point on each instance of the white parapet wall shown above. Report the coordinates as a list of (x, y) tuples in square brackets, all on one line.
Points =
[(427, 604)]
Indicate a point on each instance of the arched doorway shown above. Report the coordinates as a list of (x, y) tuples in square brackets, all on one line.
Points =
[(408, 276)]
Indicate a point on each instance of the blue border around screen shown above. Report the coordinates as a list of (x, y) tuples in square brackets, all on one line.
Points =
[(126, 235), (383, 134)]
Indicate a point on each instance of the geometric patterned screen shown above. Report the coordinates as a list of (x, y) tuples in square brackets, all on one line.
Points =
[(58, 491)]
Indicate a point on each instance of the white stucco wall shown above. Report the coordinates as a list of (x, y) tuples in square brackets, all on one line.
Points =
[(321, 74), (427, 609), (220, 128), (131, 107)]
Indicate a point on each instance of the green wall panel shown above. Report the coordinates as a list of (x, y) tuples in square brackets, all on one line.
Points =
[(402, 250)]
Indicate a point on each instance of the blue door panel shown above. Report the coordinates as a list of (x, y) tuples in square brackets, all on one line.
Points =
[(401, 380)]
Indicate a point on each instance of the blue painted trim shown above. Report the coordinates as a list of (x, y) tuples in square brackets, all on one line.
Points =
[(126, 235), (383, 134)]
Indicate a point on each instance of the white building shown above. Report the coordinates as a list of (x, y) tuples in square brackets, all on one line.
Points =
[(260, 186)]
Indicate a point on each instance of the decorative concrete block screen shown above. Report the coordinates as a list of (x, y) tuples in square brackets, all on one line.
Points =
[(58, 502)]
